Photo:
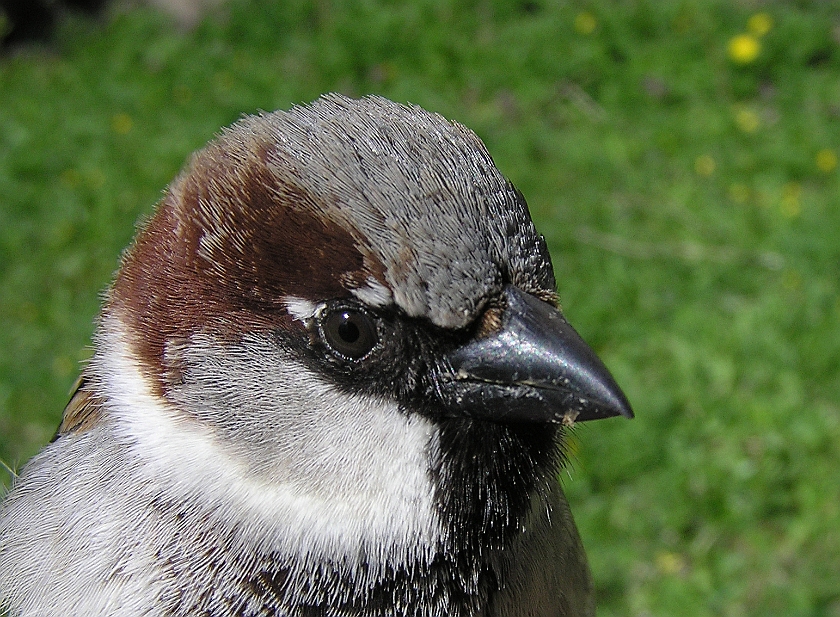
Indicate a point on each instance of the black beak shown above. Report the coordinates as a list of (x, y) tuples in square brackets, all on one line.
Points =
[(535, 368)]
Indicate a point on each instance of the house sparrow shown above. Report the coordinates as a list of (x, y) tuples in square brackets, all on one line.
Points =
[(329, 378)]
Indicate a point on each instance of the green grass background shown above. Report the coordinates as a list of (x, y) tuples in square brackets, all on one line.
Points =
[(690, 202)]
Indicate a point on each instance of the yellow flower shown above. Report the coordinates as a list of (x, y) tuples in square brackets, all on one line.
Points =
[(704, 165), (791, 206), (121, 123), (585, 23), (760, 24), (670, 563), (747, 119), (826, 160), (744, 48)]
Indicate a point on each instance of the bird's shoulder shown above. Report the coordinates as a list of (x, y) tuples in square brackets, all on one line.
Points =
[(84, 409)]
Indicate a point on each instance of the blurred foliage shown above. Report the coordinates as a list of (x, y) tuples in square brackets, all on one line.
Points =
[(680, 157)]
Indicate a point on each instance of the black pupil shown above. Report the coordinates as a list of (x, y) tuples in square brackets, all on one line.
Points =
[(347, 330)]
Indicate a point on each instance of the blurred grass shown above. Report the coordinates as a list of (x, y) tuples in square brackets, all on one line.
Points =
[(688, 186)]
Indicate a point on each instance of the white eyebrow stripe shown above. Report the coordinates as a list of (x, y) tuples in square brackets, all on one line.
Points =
[(374, 293), (300, 308)]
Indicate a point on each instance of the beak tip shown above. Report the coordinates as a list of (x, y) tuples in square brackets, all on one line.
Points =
[(627, 412), (609, 403), (623, 408)]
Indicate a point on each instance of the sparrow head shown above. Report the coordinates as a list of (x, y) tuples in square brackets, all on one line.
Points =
[(380, 243)]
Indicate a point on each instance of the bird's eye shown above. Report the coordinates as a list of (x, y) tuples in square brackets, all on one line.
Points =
[(350, 333)]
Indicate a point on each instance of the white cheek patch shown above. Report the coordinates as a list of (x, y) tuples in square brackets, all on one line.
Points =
[(301, 309), (374, 293), (352, 479)]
